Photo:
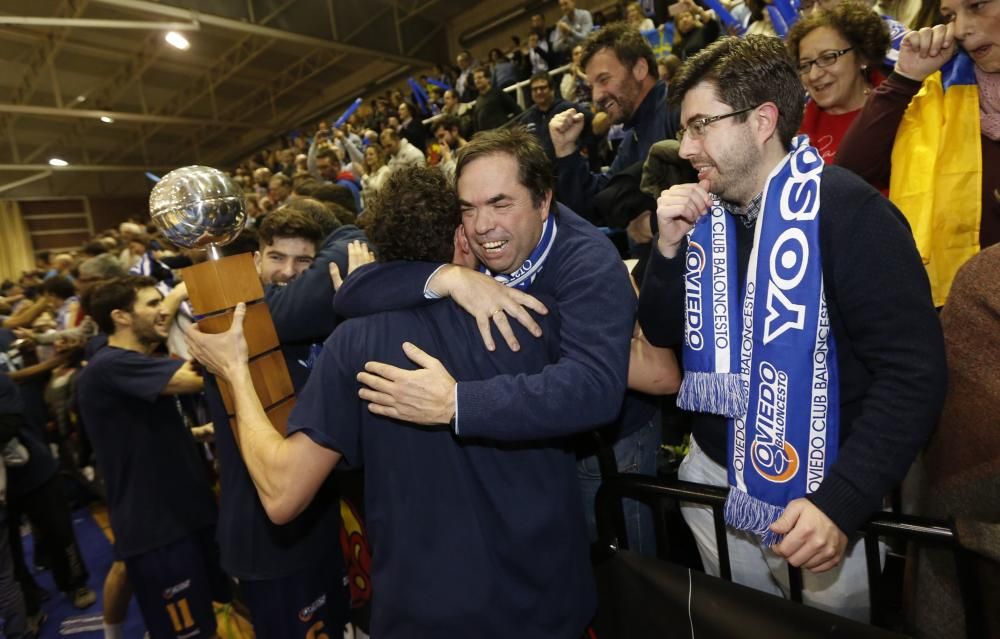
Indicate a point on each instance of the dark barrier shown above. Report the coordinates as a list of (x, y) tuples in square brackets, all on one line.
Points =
[(644, 598), (624, 568)]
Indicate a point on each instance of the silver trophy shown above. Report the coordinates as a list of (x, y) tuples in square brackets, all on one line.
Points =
[(198, 206)]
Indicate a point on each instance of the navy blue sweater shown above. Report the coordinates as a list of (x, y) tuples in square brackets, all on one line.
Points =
[(652, 121), (584, 389), (890, 350), (470, 538)]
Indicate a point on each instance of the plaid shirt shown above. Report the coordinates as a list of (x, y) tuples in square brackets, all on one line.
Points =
[(747, 214)]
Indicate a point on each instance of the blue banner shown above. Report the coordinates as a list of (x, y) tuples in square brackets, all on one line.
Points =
[(348, 113), (725, 17)]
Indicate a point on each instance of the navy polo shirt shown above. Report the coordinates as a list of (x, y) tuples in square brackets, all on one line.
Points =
[(470, 538), (158, 489)]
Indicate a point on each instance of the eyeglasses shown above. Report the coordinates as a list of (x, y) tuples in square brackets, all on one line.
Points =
[(822, 61), (696, 128), (540, 89)]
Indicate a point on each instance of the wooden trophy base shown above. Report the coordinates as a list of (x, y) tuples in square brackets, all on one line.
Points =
[(215, 287)]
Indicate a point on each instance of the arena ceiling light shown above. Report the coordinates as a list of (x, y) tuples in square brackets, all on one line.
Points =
[(177, 40), (107, 119), (58, 162)]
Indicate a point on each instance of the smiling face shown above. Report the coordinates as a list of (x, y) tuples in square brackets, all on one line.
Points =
[(617, 89), (840, 87), (977, 28), (283, 260), (371, 158), (728, 154), (501, 222), (146, 318), (542, 94)]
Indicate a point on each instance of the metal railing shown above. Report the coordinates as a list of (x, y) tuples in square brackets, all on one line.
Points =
[(514, 88), (922, 531)]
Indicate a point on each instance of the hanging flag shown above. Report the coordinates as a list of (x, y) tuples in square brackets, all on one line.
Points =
[(662, 43)]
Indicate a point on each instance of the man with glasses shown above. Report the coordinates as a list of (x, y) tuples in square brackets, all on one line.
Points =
[(547, 106), (813, 357)]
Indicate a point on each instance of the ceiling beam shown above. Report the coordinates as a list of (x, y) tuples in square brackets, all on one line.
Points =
[(92, 23), (44, 55), (290, 79), (191, 65), (123, 116), (89, 168), (266, 32), (228, 65), (41, 57), (132, 72), (26, 180)]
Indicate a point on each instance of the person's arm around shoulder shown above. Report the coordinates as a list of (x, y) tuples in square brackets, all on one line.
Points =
[(585, 387), (184, 381), (172, 302), (286, 471)]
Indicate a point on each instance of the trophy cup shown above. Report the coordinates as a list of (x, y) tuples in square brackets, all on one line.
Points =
[(201, 207)]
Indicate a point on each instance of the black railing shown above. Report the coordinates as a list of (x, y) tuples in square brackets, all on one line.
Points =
[(921, 531)]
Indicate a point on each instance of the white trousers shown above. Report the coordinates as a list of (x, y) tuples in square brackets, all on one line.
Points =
[(842, 590)]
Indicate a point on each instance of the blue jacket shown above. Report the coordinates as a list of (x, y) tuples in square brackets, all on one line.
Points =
[(652, 121)]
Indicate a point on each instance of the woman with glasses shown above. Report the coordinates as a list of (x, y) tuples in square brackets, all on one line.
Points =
[(837, 53)]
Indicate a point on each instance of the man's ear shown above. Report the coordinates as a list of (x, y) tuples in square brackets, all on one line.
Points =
[(640, 69), (121, 318), (765, 121), (257, 261), (546, 204)]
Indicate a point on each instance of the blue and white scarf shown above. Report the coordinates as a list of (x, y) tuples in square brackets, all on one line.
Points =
[(529, 270), (776, 341)]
